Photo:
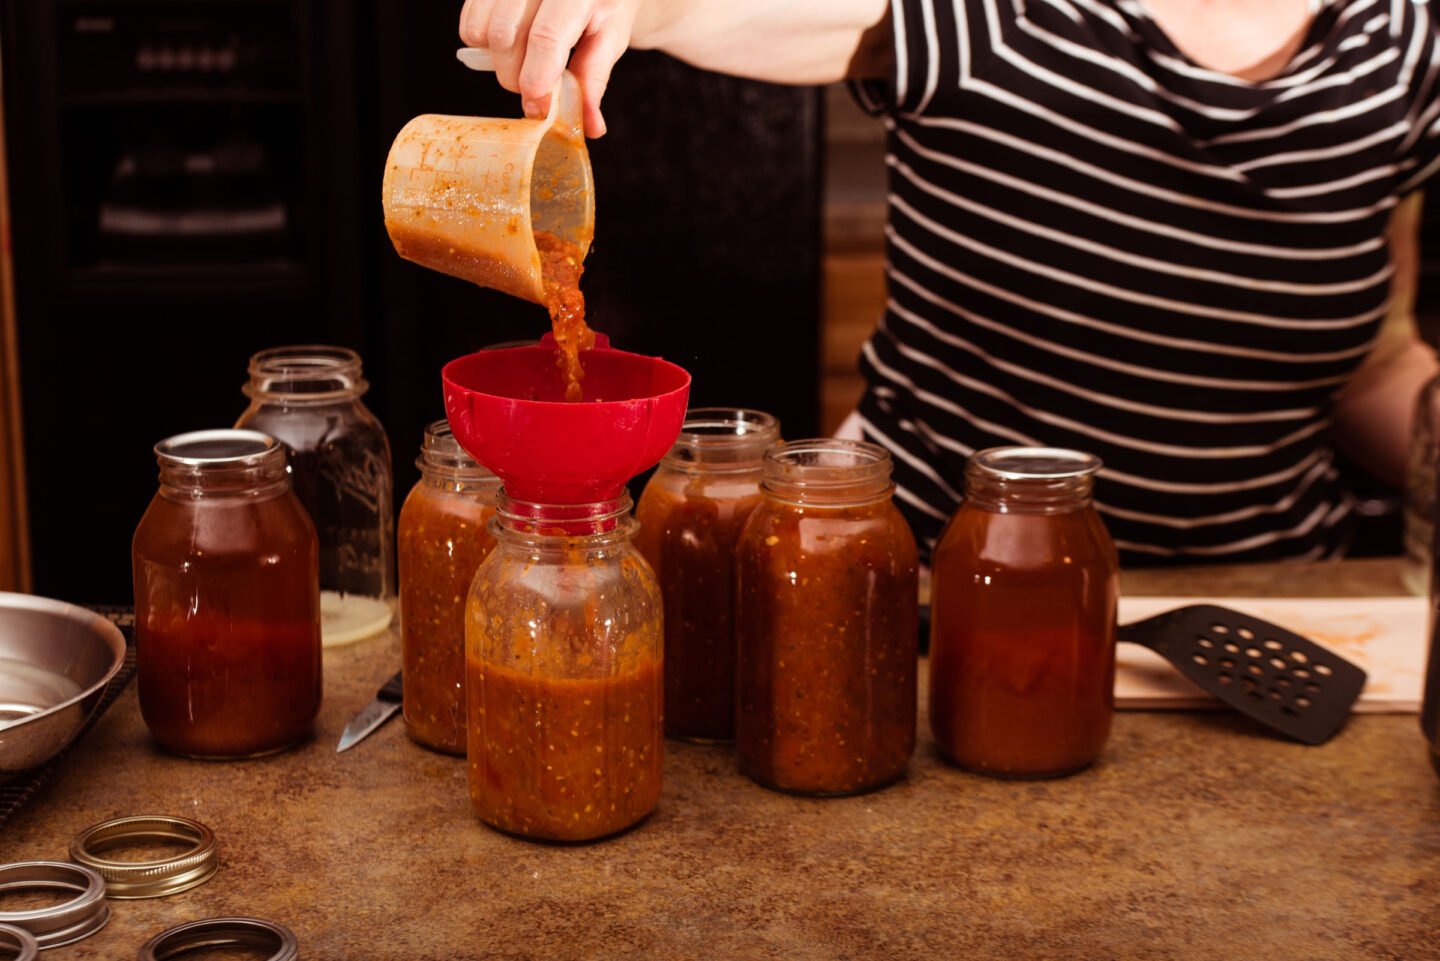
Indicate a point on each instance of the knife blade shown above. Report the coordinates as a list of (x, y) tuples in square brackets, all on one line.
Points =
[(376, 713)]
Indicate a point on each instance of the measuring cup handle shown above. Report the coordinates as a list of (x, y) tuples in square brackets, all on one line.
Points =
[(476, 58)]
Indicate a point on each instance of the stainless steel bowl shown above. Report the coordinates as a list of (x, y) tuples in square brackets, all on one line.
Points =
[(55, 660)]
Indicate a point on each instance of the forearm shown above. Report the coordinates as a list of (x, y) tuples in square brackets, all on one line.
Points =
[(783, 41), (1373, 415)]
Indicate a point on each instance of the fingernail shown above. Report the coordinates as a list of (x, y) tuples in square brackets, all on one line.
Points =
[(531, 107)]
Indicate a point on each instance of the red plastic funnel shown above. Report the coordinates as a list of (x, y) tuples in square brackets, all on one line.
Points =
[(507, 408)]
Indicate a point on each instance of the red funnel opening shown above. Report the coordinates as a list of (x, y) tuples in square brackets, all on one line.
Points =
[(508, 410)]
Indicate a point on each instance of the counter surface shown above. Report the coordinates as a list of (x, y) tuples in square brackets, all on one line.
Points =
[(1197, 836)]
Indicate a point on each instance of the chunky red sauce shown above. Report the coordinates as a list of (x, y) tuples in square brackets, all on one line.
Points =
[(561, 264), (1022, 656), (827, 631), (443, 537), (566, 759)]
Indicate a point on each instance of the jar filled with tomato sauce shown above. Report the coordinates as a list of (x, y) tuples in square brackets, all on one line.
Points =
[(1024, 591), (227, 600), (826, 623), (444, 534), (691, 515), (563, 673)]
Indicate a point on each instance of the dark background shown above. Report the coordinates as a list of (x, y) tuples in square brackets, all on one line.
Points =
[(706, 250)]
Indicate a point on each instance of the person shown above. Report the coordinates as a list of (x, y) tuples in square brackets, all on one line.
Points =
[(1156, 230)]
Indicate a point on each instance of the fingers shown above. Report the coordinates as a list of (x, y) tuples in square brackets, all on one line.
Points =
[(592, 63), (532, 40), (506, 35), (474, 19), (558, 25)]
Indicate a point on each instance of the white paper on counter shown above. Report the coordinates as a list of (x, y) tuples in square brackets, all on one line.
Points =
[(1384, 635)]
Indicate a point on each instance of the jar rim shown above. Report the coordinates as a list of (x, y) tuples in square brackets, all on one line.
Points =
[(440, 450), (220, 449), (827, 460), (1035, 463), (306, 363), (726, 426)]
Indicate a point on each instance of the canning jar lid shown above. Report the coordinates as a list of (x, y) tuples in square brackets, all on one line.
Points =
[(223, 932), (1034, 463), (219, 449), (20, 944), (148, 879), (63, 923)]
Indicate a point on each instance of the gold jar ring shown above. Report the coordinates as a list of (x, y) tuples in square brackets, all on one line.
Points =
[(157, 878)]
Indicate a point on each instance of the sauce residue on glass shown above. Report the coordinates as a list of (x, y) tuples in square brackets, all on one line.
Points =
[(561, 264)]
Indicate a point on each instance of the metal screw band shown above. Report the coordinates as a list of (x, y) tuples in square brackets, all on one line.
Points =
[(148, 879)]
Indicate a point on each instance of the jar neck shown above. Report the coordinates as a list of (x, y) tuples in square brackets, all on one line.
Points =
[(306, 376), (444, 463), (238, 463), (481, 483), (1030, 480), (717, 440), (598, 524), (827, 473)]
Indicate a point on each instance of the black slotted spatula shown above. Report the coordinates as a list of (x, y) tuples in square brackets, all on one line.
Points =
[(1283, 680)]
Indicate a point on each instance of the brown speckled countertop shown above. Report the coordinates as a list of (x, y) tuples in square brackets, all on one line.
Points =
[(1196, 837)]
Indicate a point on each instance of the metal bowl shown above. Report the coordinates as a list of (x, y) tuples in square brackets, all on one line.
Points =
[(55, 660)]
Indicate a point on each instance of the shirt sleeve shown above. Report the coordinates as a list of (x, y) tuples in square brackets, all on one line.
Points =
[(926, 35)]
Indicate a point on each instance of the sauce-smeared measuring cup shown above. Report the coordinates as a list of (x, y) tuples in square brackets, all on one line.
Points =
[(466, 195)]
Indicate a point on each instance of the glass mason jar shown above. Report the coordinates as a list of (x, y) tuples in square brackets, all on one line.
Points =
[(444, 535), (826, 623), (563, 673), (1023, 603), (691, 514), (1420, 489), (227, 601), (309, 398)]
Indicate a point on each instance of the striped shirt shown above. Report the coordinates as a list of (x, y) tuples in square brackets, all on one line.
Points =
[(1095, 243)]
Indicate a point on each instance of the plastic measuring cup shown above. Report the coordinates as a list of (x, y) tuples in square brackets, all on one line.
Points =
[(465, 195)]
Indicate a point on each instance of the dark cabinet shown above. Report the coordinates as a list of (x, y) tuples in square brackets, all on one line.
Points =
[(195, 180)]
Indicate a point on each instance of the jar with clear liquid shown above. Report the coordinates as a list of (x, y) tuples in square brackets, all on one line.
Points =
[(309, 397)]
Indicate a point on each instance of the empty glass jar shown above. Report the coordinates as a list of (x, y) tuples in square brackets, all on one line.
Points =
[(309, 397)]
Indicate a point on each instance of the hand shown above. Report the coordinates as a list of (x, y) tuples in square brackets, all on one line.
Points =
[(531, 40)]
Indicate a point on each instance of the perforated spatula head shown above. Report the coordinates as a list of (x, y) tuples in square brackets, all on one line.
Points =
[(1275, 676)]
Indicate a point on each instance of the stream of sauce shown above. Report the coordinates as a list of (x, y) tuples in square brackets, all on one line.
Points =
[(561, 264)]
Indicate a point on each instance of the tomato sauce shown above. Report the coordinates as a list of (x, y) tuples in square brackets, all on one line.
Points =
[(688, 533), (1022, 653), (561, 264), (566, 759), (220, 686), (443, 537), (827, 629)]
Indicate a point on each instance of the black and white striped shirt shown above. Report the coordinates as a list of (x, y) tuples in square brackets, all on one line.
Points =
[(1096, 243)]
